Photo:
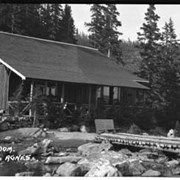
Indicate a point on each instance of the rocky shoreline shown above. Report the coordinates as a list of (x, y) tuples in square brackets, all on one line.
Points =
[(94, 159)]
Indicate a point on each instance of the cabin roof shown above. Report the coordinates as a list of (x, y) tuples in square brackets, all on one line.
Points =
[(50, 60)]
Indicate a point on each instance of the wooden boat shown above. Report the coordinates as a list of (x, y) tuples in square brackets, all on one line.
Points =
[(143, 141)]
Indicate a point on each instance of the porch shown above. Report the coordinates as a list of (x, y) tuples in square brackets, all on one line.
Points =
[(56, 103)]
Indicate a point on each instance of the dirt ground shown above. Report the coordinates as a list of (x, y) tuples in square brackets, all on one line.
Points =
[(62, 139)]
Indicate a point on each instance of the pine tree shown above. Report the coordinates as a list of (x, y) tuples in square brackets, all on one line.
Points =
[(46, 22), (170, 80), (103, 28), (56, 18), (150, 67), (9, 18), (82, 39), (30, 22), (149, 44), (67, 26)]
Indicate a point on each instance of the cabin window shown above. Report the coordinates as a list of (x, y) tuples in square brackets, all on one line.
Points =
[(139, 96), (99, 90), (106, 95), (40, 88), (51, 89), (127, 95), (46, 88), (116, 95)]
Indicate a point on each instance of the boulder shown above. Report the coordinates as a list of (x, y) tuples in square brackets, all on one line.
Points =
[(33, 150), (37, 148), (91, 148), (151, 173), (126, 152), (103, 168), (60, 160), (171, 133), (123, 168), (4, 125), (176, 171), (69, 169), (47, 175), (8, 139), (83, 129), (136, 168), (161, 160), (114, 157), (172, 164), (25, 174), (44, 145)]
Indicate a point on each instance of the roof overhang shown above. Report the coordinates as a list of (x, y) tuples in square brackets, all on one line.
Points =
[(12, 69), (141, 81)]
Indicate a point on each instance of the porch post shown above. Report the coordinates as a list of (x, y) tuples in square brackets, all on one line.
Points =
[(9, 74), (31, 97), (90, 95), (96, 96), (62, 94)]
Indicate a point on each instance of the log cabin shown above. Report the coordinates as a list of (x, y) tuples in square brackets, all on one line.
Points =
[(67, 73)]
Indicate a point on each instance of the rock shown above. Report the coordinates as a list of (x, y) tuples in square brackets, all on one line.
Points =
[(8, 139), (173, 163), (166, 172), (151, 173), (32, 163), (153, 165), (103, 168), (150, 154), (47, 175), (85, 168), (30, 150), (161, 160), (123, 168), (37, 148), (171, 133), (136, 168), (114, 157), (60, 160), (24, 174), (4, 126), (91, 148), (126, 152), (69, 169), (176, 171), (83, 129), (60, 154), (44, 145)]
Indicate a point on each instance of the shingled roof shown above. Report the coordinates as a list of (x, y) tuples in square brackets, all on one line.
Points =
[(50, 60)]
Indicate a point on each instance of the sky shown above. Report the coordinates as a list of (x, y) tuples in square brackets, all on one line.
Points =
[(131, 17)]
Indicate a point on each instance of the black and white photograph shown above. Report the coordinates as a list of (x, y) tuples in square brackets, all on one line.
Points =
[(89, 90)]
